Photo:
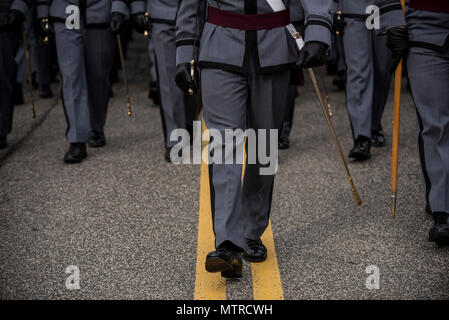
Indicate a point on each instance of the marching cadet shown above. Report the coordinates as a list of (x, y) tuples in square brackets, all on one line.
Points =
[(368, 63), (177, 110), (297, 19), (85, 61), (425, 43), (245, 55), (12, 16)]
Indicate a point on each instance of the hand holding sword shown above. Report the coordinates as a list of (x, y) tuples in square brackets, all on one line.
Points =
[(310, 55)]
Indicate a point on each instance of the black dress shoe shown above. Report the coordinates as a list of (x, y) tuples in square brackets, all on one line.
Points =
[(76, 154), (45, 91), (96, 139), (227, 259), (439, 233), (378, 139), (3, 143), (256, 251), (284, 143), (362, 148)]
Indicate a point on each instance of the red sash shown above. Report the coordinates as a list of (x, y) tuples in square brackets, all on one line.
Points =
[(441, 6), (248, 21)]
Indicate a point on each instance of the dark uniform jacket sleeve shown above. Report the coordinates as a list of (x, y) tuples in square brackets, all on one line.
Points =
[(22, 5), (189, 23), (391, 14)]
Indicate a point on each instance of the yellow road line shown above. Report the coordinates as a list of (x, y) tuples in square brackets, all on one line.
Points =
[(209, 286), (267, 283)]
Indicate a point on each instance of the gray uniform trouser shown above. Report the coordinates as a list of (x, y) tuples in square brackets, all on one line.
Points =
[(173, 101), (85, 61), (44, 55), (428, 72), (368, 62), (152, 61), (235, 101), (9, 42)]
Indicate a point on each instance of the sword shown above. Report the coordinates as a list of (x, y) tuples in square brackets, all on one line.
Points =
[(28, 70), (396, 119), (278, 5), (125, 80)]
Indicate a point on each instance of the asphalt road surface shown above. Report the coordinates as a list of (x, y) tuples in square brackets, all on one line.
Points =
[(129, 221)]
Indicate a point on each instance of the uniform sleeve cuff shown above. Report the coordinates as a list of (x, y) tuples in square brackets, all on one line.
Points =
[(137, 7), (21, 6), (391, 19), (120, 7), (318, 33), (186, 53)]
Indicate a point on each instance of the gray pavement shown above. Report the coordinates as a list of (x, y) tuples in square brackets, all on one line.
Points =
[(128, 219)]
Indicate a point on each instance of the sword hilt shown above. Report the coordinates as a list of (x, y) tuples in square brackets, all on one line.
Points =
[(192, 75), (147, 17)]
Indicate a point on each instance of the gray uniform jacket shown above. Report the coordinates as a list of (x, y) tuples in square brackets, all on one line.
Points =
[(227, 48), (388, 11), (296, 11), (163, 11), (93, 12), (428, 29)]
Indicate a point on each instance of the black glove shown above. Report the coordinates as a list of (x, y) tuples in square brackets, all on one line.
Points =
[(397, 41), (117, 20), (44, 30), (339, 25), (14, 20), (140, 23), (184, 78), (313, 54)]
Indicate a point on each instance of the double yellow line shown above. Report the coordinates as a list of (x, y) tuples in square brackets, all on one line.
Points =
[(266, 278)]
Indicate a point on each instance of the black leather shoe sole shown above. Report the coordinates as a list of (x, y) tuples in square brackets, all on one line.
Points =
[(252, 258), (439, 237), (218, 264), (70, 159), (234, 274), (96, 144), (378, 144), (359, 155)]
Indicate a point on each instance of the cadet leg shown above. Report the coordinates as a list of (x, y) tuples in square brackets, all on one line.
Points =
[(98, 52), (429, 80), (359, 88), (266, 112), (225, 96), (288, 118), (172, 98), (382, 79), (70, 48), (8, 47)]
